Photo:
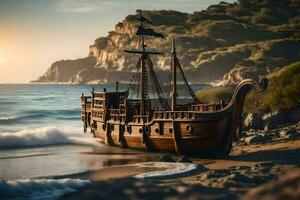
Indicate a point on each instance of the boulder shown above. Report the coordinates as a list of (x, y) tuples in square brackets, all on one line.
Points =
[(292, 133), (294, 115), (274, 120), (253, 121)]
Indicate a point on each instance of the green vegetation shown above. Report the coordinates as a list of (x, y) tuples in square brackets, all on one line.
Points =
[(214, 95), (283, 92)]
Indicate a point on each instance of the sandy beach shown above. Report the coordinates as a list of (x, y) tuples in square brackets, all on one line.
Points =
[(254, 171)]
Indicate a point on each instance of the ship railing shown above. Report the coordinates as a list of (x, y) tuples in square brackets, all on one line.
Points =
[(117, 114), (208, 107), (98, 106), (86, 103), (174, 115), (190, 113), (141, 118), (113, 111), (99, 95)]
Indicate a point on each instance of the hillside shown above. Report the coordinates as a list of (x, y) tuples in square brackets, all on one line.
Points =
[(224, 43), (282, 93)]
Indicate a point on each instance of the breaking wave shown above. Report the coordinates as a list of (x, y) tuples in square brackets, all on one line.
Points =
[(9, 118), (42, 137), (36, 189), (168, 169)]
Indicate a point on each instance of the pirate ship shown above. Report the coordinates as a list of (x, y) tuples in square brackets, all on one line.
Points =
[(130, 119)]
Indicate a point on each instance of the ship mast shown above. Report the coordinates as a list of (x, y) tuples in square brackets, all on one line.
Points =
[(145, 66), (173, 64), (144, 76)]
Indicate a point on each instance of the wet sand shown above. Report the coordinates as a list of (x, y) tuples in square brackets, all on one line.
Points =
[(243, 175)]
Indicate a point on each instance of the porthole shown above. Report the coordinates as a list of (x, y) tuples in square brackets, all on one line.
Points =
[(147, 130), (189, 128), (170, 130), (141, 130)]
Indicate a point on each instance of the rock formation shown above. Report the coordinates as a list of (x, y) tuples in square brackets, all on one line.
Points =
[(225, 44)]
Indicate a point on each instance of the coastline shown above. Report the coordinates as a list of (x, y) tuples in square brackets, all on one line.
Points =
[(247, 168)]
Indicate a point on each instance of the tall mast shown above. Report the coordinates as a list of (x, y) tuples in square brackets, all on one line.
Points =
[(173, 64), (144, 76), (142, 36), (145, 66)]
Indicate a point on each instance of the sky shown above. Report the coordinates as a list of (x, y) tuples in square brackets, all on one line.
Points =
[(36, 33)]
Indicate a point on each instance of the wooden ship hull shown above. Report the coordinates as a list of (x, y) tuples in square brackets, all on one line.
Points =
[(203, 129), (193, 129)]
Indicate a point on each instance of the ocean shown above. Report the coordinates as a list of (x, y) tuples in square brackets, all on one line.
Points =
[(41, 138)]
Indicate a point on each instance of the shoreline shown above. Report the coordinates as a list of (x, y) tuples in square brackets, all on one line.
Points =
[(247, 168)]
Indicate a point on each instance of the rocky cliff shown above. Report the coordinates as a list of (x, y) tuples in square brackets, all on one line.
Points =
[(224, 44)]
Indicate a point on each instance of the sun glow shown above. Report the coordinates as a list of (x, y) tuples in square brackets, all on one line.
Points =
[(1, 60)]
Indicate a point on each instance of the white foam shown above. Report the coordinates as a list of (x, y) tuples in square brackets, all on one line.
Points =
[(43, 137), (168, 169), (9, 118), (36, 189), (85, 141)]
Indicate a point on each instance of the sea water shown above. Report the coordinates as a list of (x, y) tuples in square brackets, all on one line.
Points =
[(41, 131), (41, 136)]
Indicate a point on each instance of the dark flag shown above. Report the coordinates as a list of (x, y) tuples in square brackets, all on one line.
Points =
[(144, 19), (149, 32)]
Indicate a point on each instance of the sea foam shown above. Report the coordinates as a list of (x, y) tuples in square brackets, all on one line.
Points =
[(167, 169), (36, 189), (43, 137)]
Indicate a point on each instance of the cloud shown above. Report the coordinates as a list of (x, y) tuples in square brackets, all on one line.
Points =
[(77, 6), (89, 6)]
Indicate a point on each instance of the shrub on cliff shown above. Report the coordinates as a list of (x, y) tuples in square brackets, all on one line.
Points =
[(283, 92), (214, 95)]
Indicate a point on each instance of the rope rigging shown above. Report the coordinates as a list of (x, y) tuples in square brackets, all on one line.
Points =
[(144, 72), (188, 87)]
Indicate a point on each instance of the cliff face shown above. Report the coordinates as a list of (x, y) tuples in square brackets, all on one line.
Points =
[(226, 42), (68, 70)]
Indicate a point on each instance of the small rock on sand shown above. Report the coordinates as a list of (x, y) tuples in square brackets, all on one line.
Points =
[(185, 159), (166, 158), (258, 139)]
